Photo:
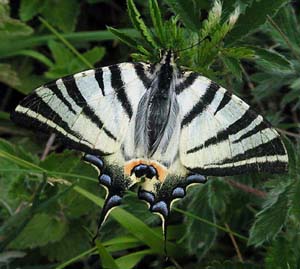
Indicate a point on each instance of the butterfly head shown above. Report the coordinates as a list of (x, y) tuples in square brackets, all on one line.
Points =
[(168, 57)]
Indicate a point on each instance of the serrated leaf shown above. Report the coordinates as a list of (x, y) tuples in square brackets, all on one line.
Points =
[(280, 255), (157, 20), (254, 16), (10, 28), (30, 8), (270, 220), (41, 230), (274, 58), (239, 52), (139, 24), (8, 75), (189, 12), (62, 14), (200, 236), (128, 40), (233, 66), (74, 242)]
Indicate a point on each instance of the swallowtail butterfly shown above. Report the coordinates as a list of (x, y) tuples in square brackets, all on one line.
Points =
[(154, 125)]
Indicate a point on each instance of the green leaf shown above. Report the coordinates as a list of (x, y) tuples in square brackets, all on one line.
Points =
[(270, 220), (122, 36), (94, 55), (157, 19), (189, 12), (274, 58), (233, 66), (62, 14), (30, 8), (10, 28), (139, 24), (280, 255), (74, 242), (254, 16), (200, 236), (8, 75), (295, 199), (107, 260), (41, 230), (131, 260)]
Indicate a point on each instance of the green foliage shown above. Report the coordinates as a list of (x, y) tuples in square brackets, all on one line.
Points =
[(270, 220), (255, 16), (49, 208), (203, 235)]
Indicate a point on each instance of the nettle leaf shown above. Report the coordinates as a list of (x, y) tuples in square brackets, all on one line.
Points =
[(270, 220), (239, 52), (280, 255), (189, 12), (74, 242), (41, 230), (30, 8), (219, 195), (139, 24), (8, 75), (62, 14), (233, 66), (123, 37), (157, 19), (274, 58), (11, 27), (295, 199), (254, 16), (67, 63), (200, 236)]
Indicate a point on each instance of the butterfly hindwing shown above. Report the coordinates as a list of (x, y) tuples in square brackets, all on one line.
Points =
[(91, 110), (221, 135)]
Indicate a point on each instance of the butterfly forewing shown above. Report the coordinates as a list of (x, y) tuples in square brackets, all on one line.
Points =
[(221, 135), (90, 110)]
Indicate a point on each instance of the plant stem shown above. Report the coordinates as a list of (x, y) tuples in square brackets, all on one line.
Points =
[(246, 188), (236, 247), (66, 43)]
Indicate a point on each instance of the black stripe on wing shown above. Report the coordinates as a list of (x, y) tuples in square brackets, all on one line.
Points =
[(53, 87), (202, 104), (74, 93), (142, 74), (188, 81), (119, 87), (267, 167), (225, 100), (270, 148), (243, 122), (99, 79)]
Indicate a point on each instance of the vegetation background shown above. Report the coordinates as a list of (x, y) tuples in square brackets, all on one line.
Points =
[(50, 199)]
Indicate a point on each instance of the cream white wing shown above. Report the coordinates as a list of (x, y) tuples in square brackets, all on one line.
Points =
[(91, 110), (221, 135)]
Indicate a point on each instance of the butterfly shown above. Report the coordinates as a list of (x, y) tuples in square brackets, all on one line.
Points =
[(155, 126)]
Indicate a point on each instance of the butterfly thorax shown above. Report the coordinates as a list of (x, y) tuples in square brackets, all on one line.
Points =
[(157, 110)]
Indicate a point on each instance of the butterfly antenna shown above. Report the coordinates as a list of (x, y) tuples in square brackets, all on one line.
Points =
[(196, 44)]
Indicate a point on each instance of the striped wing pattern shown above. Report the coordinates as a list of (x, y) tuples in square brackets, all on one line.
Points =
[(221, 135), (89, 111)]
